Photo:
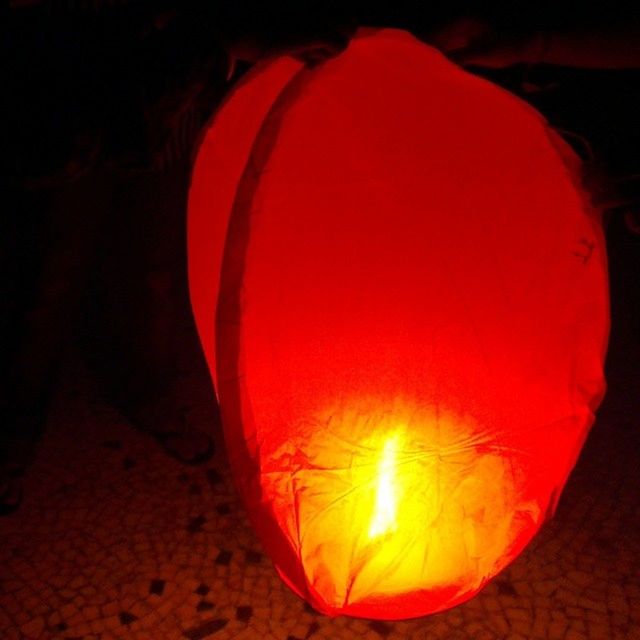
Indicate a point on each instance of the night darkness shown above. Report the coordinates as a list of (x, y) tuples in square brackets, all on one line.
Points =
[(118, 513)]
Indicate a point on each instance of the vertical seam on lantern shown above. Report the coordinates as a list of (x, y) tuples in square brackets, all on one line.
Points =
[(228, 325)]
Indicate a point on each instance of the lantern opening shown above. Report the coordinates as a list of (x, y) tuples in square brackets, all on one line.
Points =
[(382, 509)]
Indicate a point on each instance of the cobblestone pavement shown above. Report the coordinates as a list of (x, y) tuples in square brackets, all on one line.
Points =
[(116, 540)]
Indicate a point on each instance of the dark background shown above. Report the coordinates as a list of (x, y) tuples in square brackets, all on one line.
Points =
[(105, 106)]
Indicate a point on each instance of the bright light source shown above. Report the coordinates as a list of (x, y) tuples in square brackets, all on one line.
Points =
[(388, 494)]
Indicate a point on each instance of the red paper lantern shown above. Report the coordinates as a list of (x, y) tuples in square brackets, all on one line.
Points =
[(402, 297)]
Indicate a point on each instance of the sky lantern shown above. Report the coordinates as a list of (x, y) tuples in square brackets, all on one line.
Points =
[(401, 293)]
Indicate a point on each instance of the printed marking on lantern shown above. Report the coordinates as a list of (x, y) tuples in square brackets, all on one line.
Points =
[(586, 250)]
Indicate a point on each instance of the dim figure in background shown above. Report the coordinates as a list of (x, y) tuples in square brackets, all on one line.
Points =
[(473, 42), (99, 147), (98, 144), (611, 44)]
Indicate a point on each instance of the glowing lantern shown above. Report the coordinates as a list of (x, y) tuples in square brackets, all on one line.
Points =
[(408, 295)]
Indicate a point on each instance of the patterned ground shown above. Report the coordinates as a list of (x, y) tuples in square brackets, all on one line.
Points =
[(116, 540)]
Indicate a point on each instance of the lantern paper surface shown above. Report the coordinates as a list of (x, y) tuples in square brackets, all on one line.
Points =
[(401, 293)]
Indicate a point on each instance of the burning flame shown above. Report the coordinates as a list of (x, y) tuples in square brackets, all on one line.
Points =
[(386, 501)]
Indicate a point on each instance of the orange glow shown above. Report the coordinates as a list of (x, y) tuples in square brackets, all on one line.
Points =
[(401, 292), (417, 507)]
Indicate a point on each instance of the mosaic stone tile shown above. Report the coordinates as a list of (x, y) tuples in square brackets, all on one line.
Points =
[(505, 588), (213, 477), (195, 524), (127, 618), (244, 613), (253, 557), (206, 629), (156, 587), (381, 628), (314, 627), (224, 558)]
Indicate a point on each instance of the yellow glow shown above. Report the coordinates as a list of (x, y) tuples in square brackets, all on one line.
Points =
[(387, 490), (392, 499)]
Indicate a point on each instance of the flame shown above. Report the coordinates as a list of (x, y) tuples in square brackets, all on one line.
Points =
[(384, 519)]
